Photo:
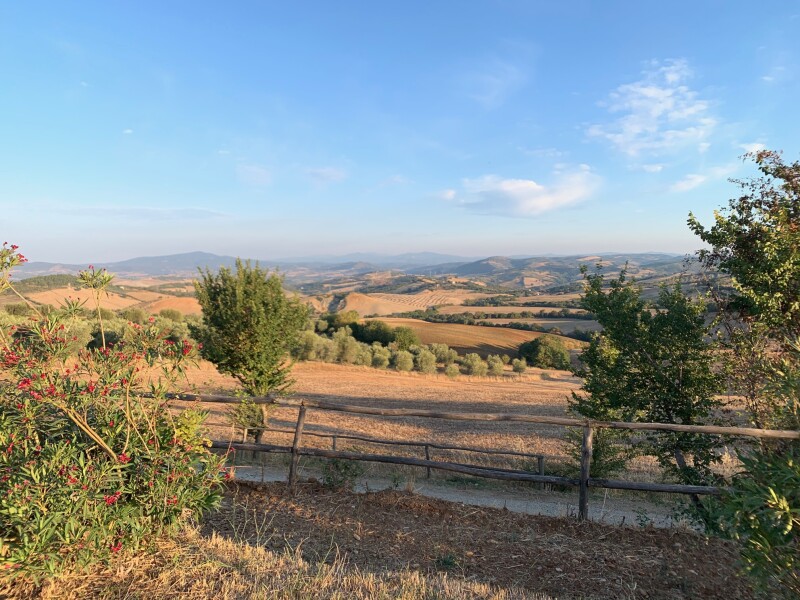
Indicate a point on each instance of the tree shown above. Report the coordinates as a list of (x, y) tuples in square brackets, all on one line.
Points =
[(249, 326), (519, 365), (403, 360), (546, 352), (653, 366), (756, 241), (495, 364), (405, 338), (475, 365), (425, 361)]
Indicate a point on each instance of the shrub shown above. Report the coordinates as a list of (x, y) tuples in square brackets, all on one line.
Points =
[(380, 356), (405, 338), (495, 364), (373, 331), (346, 346), (425, 361), (403, 360), (306, 348), (134, 315), (171, 314), (18, 309), (546, 352), (89, 465), (519, 365), (452, 370), (475, 365), (340, 473)]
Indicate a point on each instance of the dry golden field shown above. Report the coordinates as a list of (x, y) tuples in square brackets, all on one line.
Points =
[(509, 309), (387, 304), (474, 338)]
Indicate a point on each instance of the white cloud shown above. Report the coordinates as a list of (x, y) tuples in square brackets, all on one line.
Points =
[(491, 194), (693, 180), (253, 175), (492, 84), (223, 152), (127, 131), (659, 113), (323, 175), (703, 147), (753, 147), (652, 168)]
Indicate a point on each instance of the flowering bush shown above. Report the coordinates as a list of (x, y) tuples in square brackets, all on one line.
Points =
[(92, 461)]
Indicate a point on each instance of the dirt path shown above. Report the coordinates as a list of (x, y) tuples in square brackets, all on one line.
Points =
[(602, 509)]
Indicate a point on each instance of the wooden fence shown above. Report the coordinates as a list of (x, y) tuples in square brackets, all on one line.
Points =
[(584, 482)]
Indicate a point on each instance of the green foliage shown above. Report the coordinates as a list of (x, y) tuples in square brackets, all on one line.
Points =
[(757, 241), (650, 367), (347, 348), (519, 365), (380, 356), (405, 338), (171, 314), (403, 360), (474, 365), (762, 510), (249, 326), (373, 331), (89, 465), (425, 361), (134, 315), (444, 354), (452, 370), (249, 415), (340, 473), (546, 352), (495, 364), (18, 309)]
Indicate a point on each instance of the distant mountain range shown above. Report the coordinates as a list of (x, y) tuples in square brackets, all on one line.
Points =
[(526, 271)]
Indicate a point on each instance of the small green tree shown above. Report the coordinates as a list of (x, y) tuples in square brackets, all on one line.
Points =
[(249, 326), (380, 356), (495, 364), (519, 366), (425, 361), (171, 314), (475, 365), (650, 366), (405, 338), (452, 370), (546, 352), (403, 360)]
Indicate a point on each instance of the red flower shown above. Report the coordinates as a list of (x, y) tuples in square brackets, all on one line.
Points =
[(116, 547), (24, 384), (124, 458), (109, 500)]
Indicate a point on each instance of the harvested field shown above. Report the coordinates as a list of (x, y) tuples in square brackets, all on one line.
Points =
[(513, 309), (387, 304), (474, 338), (565, 325), (187, 306), (56, 297)]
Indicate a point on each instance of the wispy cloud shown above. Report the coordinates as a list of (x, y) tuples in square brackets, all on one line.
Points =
[(127, 131), (253, 175), (693, 180), (323, 175), (491, 84), (652, 168), (753, 147), (491, 194), (659, 113)]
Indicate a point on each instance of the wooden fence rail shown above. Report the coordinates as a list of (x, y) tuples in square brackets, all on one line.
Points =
[(584, 482)]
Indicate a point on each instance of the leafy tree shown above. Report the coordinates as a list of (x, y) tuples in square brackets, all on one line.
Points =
[(249, 325), (346, 346), (380, 356), (134, 315), (403, 360), (405, 338), (495, 364), (650, 366), (546, 352), (475, 365), (171, 314), (425, 361), (373, 331), (519, 365), (452, 370)]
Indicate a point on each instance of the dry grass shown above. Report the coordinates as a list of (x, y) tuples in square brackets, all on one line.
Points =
[(511, 310), (318, 543)]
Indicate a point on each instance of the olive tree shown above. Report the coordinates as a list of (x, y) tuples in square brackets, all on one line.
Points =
[(249, 326)]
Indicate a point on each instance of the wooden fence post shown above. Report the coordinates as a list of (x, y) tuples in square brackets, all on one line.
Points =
[(298, 434), (333, 438), (427, 457), (540, 466), (583, 489)]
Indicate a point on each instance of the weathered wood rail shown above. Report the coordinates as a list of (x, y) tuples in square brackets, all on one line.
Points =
[(584, 482)]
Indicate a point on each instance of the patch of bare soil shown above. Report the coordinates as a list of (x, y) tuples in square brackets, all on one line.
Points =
[(556, 556)]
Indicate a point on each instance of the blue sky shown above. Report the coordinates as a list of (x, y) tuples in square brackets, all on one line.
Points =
[(271, 129)]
